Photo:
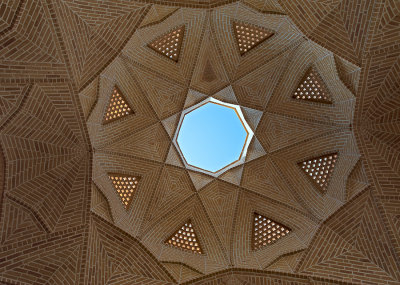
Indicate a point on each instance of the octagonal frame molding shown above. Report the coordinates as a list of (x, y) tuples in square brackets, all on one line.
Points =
[(242, 119)]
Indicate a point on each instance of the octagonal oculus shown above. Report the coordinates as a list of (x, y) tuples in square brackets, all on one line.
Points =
[(213, 136)]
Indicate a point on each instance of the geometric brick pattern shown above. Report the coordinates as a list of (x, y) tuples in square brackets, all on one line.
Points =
[(249, 36), (320, 169), (185, 238), (117, 107), (169, 44), (52, 232), (361, 244), (125, 186), (267, 231), (312, 88)]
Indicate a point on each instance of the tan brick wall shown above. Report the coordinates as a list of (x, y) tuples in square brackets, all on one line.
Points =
[(61, 219)]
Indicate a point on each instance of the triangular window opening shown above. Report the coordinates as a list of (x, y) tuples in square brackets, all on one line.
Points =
[(312, 88), (267, 231), (125, 187), (185, 238), (117, 107), (319, 170), (249, 36), (169, 44)]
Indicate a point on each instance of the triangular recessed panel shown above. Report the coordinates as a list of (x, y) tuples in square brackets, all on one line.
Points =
[(125, 185), (249, 36), (169, 44), (117, 108), (185, 238), (266, 231), (312, 88), (320, 169)]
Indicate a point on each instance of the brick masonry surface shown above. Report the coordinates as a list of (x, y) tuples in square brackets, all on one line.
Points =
[(63, 222)]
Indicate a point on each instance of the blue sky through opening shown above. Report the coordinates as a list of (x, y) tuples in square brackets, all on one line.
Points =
[(211, 137)]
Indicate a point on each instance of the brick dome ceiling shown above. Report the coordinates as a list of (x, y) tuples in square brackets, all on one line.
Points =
[(95, 191)]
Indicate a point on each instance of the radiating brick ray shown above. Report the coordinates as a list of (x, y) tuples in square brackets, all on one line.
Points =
[(358, 245), (100, 12), (67, 272), (8, 14), (386, 99), (50, 166), (313, 15), (249, 36), (320, 169), (261, 176), (165, 96), (11, 96), (173, 188), (169, 44), (349, 73), (312, 88), (379, 86), (266, 6), (347, 38), (357, 180), (134, 279), (8, 98), (30, 43), (286, 263), (386, 27), (18, 224), (85, 40), (385, 156), (220, 201), (391, 140), (51, 264), (60, 128), (150, 143), (109, 258), (266, 231), (118, 107), (88, 97), (75, 211), (100, 205), (185, 238), (392, 212), (209, 75), (125, 186), (157, 14), (181, 272), (255, 89), (277, 131), (244, 277)]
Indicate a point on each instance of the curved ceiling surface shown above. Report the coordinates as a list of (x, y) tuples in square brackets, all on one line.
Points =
[(299, 110), (94, 187)]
